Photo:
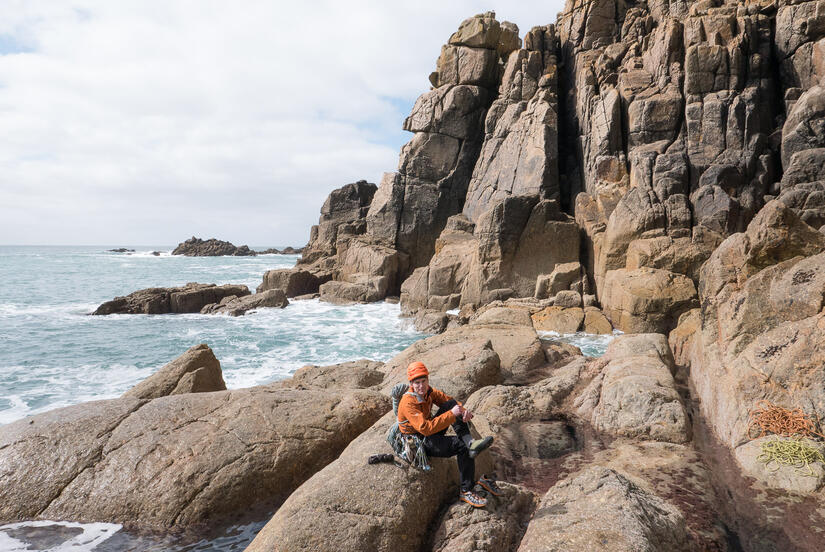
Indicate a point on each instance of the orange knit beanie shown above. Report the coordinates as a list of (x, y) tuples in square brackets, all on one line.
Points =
[(416, 370)]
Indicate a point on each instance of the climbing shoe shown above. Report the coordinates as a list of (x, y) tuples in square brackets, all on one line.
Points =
[(477, 445), (378, 458), (489, 485), (473, 499)]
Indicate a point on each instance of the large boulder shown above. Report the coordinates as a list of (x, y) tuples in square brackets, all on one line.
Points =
[(496, 315), (438, 285), (595, 322), (195, 371), (565, 276), (634, 394), (363, 265), (519, 238), (531, 435), (293, 281), (345, 293), (559, 319), (238, 306), (601, 509), (175, 461), (356, 374), (190, 298), (459, 363), (646, 299), (498, 526), (680, 255), (518, 347), (350, 505)]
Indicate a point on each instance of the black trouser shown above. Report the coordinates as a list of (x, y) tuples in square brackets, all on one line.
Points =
[(444, 446)]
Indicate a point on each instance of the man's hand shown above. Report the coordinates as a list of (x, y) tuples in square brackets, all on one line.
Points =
[(456, 410), (466, 415)]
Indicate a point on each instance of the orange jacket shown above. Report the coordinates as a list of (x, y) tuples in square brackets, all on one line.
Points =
[(414, 416)]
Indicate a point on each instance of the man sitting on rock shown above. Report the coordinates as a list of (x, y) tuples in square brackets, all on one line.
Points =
[(414, 416)]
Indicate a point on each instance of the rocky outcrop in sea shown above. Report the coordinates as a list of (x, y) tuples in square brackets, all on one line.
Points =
[(650, 167), (196, 247)]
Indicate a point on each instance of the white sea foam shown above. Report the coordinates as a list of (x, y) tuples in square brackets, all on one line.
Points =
[(92, 358), (150, 253), (67, 309), (590, 344), (92, 534)]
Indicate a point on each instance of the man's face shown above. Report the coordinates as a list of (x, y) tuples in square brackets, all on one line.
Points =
[(420, 385)]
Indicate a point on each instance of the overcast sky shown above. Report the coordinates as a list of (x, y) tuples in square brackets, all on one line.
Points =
[(147, 122)]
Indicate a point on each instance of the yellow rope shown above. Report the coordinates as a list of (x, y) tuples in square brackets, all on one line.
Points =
[(798, 453)]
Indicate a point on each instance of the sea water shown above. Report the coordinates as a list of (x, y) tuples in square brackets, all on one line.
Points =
[(53, 354)]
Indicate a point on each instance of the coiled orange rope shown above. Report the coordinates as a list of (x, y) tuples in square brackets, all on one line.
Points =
[(768, 418)]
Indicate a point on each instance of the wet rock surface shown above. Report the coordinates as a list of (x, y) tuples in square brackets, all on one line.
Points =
[(190, 298), (238, 306)]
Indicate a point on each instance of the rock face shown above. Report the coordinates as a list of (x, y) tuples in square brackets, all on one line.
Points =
[(692, 84), (503, 255), (372, 252), (178, 460), (343, 211), (762, 297), (187, 299), (634, 394), (238, 306), (458, 362), (525, 112), (196, 247), (195, 371), (434, 170)]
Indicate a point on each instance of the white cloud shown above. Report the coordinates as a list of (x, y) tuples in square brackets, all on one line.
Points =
[(147, 122)]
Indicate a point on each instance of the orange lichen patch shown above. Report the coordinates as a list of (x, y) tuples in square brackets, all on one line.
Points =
[(768, 418)]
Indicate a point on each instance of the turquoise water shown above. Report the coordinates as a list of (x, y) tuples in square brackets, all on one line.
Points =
[(54, 355)]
